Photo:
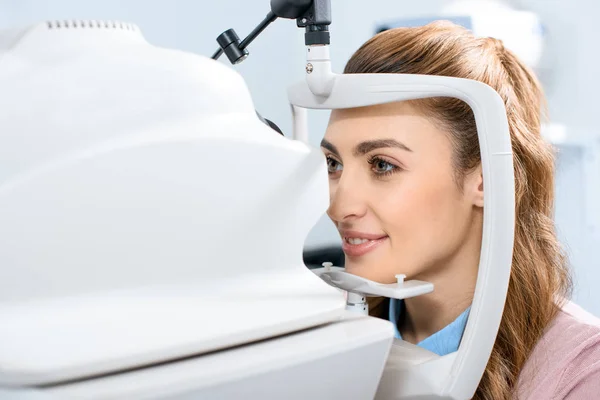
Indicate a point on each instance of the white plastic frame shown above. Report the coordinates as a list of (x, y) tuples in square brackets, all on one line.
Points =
[(325, 90)]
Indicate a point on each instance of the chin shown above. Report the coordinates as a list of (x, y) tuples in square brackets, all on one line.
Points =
[(369, 271)]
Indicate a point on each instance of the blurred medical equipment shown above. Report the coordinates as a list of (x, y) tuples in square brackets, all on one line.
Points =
[(129, 170), (520, 31)]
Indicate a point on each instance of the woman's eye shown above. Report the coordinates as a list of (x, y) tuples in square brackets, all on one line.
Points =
[(381, 167), (333, 166)]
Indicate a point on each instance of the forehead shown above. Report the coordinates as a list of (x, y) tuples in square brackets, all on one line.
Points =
[(376, 111), (400, 120)]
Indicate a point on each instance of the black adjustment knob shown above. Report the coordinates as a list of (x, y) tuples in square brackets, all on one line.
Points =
[(230, 43), (317, 34)]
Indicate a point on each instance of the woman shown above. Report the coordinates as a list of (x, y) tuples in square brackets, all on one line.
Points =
[(407, 197)]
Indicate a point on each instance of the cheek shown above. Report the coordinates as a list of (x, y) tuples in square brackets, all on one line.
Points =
[(425, 216), (416, 207), (418, 194)]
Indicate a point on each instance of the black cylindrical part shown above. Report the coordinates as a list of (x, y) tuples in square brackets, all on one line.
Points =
[(227, 37), (317, 34), (230, 43)]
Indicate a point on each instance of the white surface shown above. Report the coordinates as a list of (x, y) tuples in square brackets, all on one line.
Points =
[(277, 59), (319, 76), (311, 364), (409, 369), (357, 284), (66, 338), (458, 378), (145, 212)]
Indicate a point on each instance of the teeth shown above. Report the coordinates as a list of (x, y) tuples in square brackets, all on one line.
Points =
[(356, 240)]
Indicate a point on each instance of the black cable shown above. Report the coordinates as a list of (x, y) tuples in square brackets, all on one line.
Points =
[(253, 35)]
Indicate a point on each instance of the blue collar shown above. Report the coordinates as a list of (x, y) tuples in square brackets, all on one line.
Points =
[(443, 342)]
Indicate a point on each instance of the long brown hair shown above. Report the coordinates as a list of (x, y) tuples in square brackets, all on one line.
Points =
[(539, 274)]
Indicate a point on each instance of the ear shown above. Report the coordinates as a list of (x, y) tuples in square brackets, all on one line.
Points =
[(474, 186)]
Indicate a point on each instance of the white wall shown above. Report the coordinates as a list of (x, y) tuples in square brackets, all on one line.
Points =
[(572, 90), (277, 60)]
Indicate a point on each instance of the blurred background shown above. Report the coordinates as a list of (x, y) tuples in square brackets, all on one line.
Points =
[(558, 38)]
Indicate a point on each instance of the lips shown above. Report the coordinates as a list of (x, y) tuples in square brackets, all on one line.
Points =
[(356, 244)]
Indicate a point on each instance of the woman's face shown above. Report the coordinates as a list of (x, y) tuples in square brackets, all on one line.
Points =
[(393, 196)]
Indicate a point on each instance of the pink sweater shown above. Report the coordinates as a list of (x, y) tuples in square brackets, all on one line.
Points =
[(565, 364)]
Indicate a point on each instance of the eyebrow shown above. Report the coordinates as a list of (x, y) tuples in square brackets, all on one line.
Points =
[(367, 146)]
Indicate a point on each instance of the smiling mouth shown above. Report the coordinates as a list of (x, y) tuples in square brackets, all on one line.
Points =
[(356, 246), (355, 241)]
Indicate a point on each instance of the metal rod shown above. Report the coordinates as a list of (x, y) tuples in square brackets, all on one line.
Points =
[(261, 27), (217, 54)]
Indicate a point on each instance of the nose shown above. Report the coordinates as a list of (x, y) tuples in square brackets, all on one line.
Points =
[(346, 199)]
